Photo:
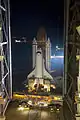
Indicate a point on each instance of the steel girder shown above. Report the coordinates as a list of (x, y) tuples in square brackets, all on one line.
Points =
[(5, 56), (71, 44)]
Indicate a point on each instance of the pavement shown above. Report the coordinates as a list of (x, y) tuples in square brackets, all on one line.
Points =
[(13, 113)]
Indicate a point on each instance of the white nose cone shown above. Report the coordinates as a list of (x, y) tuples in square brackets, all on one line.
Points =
[(34, 41), (48, 40)]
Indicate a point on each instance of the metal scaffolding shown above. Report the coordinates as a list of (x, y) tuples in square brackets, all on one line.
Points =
[(5, 56), (71, 44)]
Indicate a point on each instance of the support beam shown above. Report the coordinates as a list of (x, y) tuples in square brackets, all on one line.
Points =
[(5, 57), (71, 43)]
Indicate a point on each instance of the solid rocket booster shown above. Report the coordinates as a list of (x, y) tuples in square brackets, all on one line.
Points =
[(34, 50), (48, 55)]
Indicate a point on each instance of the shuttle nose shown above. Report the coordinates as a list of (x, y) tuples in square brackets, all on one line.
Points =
[(38, 52)]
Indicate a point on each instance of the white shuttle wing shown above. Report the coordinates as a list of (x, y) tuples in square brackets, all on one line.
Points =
[(47, 75), (32, 74)]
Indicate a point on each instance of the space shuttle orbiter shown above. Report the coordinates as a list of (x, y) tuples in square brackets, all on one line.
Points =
[(39, 72)]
